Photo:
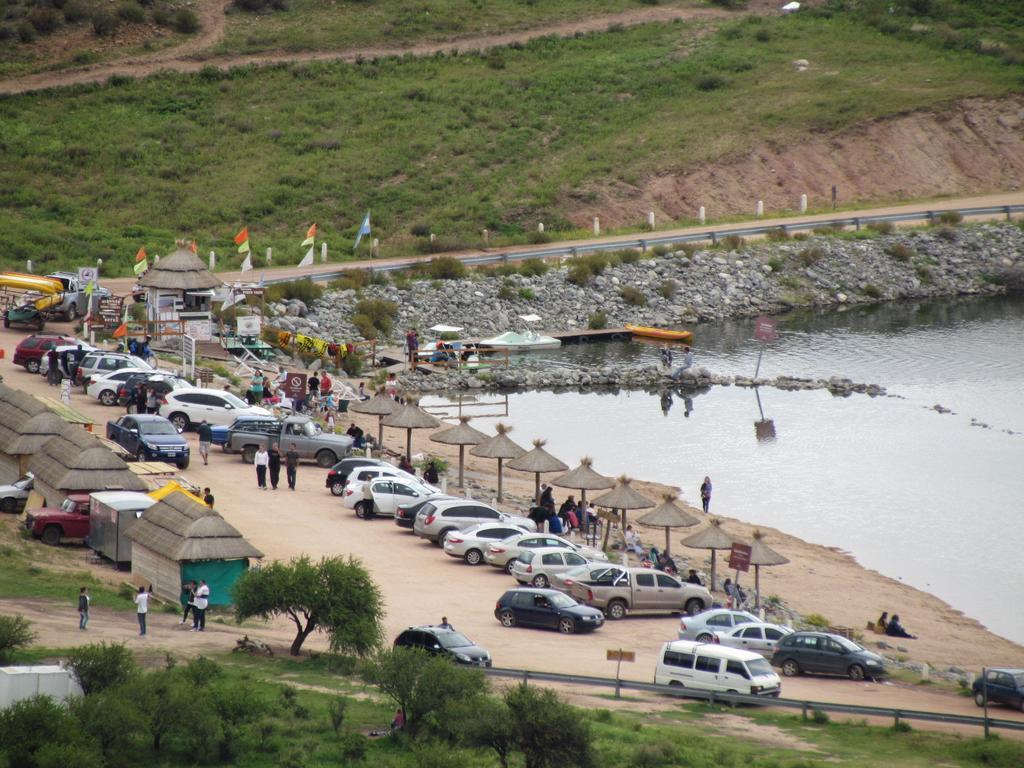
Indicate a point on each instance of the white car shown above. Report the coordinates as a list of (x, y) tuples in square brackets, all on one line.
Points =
[(388, 492), (100, 363), (186, 407), (14, 496), (104, 387), (471, 543), (536, 566), (352, 494), (759, 637), (503, 554), (44, 361)]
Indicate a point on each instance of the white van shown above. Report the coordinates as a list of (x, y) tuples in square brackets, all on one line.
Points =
[(710, 667)]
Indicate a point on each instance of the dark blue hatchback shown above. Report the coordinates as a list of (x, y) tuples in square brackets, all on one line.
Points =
[(547, 608)]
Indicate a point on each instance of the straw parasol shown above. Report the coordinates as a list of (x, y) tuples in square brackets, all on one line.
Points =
[(584, 478), (622, 497), (180, 271), (380, 405), (461, 435), (538, 461), (713, 538), (762, 554), (409, 417), (499, 447), (669, 514)]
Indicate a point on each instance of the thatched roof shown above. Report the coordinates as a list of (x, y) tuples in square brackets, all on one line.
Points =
[(584, 478), (15, 407), (622, 496), (75, 460), (498, 447), (181, 271), (762, 554), (411, 416), (712, 537), (182, 530), (34, 432), (378, 405), (669, 514), (460, 434), (537, 460)]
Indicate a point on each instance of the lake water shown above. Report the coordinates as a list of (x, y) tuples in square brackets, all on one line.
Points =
[(925, 497)]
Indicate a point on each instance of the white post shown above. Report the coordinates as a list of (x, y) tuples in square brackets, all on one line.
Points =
[(375, 248), (650, 219), (28, 266), (433, 237), (99, 266), (270, 256), (156, 258), (803, 203), (487, 237), (213, 260), (597, 227), (760, 208), (323, 253), (702, 215), (540, 227)]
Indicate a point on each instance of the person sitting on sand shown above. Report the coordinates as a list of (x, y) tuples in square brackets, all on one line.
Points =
[(633, 541), (693, 578), (883, 623), (895, 629)]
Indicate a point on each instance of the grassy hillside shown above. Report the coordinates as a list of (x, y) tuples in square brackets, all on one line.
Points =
[(443, 144)]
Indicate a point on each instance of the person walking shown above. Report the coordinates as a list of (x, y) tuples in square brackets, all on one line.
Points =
[(142, 607), (208, 497), (205, 432), (261, 461), (705, 493), (83, 607), (188, 598), (199, 611), (274, 465), (291, 465)]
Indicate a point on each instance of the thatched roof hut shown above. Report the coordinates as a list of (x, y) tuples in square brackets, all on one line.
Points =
[(74, 460), (178, 540), (181, 271), (16, 408)]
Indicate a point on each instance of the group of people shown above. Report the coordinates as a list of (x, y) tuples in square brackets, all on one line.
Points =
[(63, 365), (196, 599), (892, 627), (142, 399), (666, 357), (268, 463), (571, 516), (319, 398)]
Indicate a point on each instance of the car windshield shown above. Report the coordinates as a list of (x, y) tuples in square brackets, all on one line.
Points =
[(848, 645), (454, 640), (311, 428), (157, 428), (24, 482), (759, 667), (234, 401), (562, 601)]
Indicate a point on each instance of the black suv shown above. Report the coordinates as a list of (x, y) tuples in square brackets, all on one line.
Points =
[(337, 476), (444, 642), (546, 608)]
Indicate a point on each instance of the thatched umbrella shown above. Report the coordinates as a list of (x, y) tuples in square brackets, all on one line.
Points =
[(461, 435), (409, 417), (762, 554), (499, 447), (669, 514), (584, 478), (713, 538), (622, 497), (380, 405), (538, 461)]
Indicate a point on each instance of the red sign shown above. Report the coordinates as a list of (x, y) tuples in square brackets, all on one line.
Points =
[(295, 386), (764, 329), (739, 557)]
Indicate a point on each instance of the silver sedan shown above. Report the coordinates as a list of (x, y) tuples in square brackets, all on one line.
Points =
[(471, 543), (759, 637), (503, 554)]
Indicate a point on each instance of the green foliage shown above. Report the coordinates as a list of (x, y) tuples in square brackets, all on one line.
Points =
[(336, 708), (186, 21), (375, 317), (548, 732), (777, 263), (668, 288), (900, 252), (597, 321), (105, 22), (820, 717), (44, 19), (99, 666), (924, 273), (15, 633), (506, 292), (527, 294), (627, 256), (872, 291), (446, 268), (304, 290), (583, 268), (950, 218), (633, 296), (811, 255), (39, 731), (533, 268), (777, 235), (131, 12), (334, 596), (655, 755), (352, 365), (817, 620), (882, 227), (711, 82), (733, 242)]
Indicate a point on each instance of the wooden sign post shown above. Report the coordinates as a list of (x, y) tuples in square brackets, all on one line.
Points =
[(618, 656)]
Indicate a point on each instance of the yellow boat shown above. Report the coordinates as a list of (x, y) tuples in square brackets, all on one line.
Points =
[(660, 333)]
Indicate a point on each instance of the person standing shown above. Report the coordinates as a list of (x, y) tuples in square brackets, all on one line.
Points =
[(142, 607), (445, 625), (313, 385), (199, 612), (83, 607), (152, 401), (53, 369), (205, 439), (256, 387), (547, 497), (705, 493), (188, 598), (208, 497), (274, 465), (412, 346), (261, 461), (291, 465)]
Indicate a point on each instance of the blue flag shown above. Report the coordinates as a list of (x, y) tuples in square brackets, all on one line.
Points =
[(364, 229)]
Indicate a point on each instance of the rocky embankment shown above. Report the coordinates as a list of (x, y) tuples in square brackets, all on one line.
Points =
[(682, 287)]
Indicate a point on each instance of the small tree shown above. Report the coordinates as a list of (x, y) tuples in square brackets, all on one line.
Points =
[(335, 596), (486, 722), (15, 633), (548, 731), (100, 666)]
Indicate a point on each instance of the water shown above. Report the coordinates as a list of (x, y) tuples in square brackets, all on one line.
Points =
[(925, 497)]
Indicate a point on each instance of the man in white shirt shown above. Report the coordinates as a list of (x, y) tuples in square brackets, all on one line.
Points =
[(262, 460), (142, 607), (199, 612)]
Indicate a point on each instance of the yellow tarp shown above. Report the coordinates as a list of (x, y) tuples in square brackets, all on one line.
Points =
[(170, 488)]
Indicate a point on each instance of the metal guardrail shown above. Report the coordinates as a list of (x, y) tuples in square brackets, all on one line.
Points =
[(713, 697), (709, 235)]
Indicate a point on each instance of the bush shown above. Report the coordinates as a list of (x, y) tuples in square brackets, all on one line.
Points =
[(420, 230), (777, 263), (633, 296), (733, 242), (710, 82), (131, 12), (365, 326), (777, 235), (627, 256), (304, 290), (579, 274), (105, 23), (506, 293), (947, 233), (26, 32), (352, 365), (101, 666), (353, 746), (185, 21), (820, 717), (872, 291), (950, 218), (597, 321), (164, 17), (380, 312), (40, 732), (900, 252), (668, 288), (533, 268), (811, 255), (817, 620), (75, 10), (44, 19), (446, 268), (15, 633), (527, 294), (924, 274), (882, 227)]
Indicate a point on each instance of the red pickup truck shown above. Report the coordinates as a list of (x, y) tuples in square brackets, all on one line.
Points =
[(70, 521)]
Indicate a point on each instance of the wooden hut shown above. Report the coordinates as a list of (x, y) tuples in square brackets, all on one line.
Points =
[(75, 460), (179, 540), (16, 408), (179, 290)]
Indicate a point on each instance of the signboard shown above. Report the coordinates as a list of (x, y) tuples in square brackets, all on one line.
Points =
[(199, 329), (252, 290), (739, 557), (248, 326), (765, 329), (295, 386), (620, 655), (110, 310), (87, 275)]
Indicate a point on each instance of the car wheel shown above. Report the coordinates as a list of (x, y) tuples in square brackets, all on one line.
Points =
[(856, 672), (107, 397), (508, 566), (790, 668), (337, 489), (9, 505), (675, 682), (979, 699), (72, 313), (180, 421), (540, 581), (249, 454), (141, 455), (442, 536), (473, 557), (51, 535), (705, 637), (616, 610), (694, 606), (32, 366), (183, 464), (326, 459), (566, 626), (507, 618)]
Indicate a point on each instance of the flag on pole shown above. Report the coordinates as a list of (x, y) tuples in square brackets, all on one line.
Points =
[(242, 241), (364, 229), (310, 236), (141, 263), (122, 329), (90, 288), (307, 260), (263, 277), (233, 297), (247, 262), (193, 247)]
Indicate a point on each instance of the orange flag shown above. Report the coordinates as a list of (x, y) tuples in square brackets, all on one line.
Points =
[(242, 236), (121, 330), (141, 255), (193, 247)]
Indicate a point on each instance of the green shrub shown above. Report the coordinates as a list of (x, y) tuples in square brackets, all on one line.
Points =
[(583, 268), (352, 364), (15, 633), (633, 296), (44, 19), (668, 288), (710, 82), (533, 268), (579, 274), (811, 255), (105, 23), (380, 312), (185, 21), (733, 242), (304, 290), (872, 291), (656, 755), (950, 218), (365, 326), (820, 717), (924, 273), (900, 252), (538, 238), (776, 235), (597, 321), (882, 227), (901, 726), (506, 293), (628, 256), (446, 268), (163, 17), (75, 10), (762, 35), (946, 233), (817, 620), (99, 666), (26, 32), (131, 12), (777, 263), (527, 294), (353, 746)]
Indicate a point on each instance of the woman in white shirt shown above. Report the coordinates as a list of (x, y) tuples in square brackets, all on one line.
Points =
[(142, 608), (199, 613), (262, 460)]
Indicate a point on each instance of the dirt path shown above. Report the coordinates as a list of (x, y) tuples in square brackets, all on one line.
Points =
[(187, 57)]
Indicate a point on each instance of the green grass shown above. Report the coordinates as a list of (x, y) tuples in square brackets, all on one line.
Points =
[(444, 144)]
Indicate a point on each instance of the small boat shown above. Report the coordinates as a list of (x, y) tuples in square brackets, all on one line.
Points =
[(522, 341), (660, 333)]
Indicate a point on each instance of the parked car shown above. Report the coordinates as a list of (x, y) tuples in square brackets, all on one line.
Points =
[(760, 637), (53, 525), (337, 476), (503, 554), (825, 653), (620, 590), (388, 493), (405, 514), (99, 363), (14, 496), (245, 423), (300, 430), (78, 350), (530, 607), (31, 349), (715, 668), (1002, 686), (161, 383), (537, 566), (353, 493), (444, 642), (185, 408), (437, 519), (104, 388), (470, 544), (149, 437), (563, 581), (703, 626)]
